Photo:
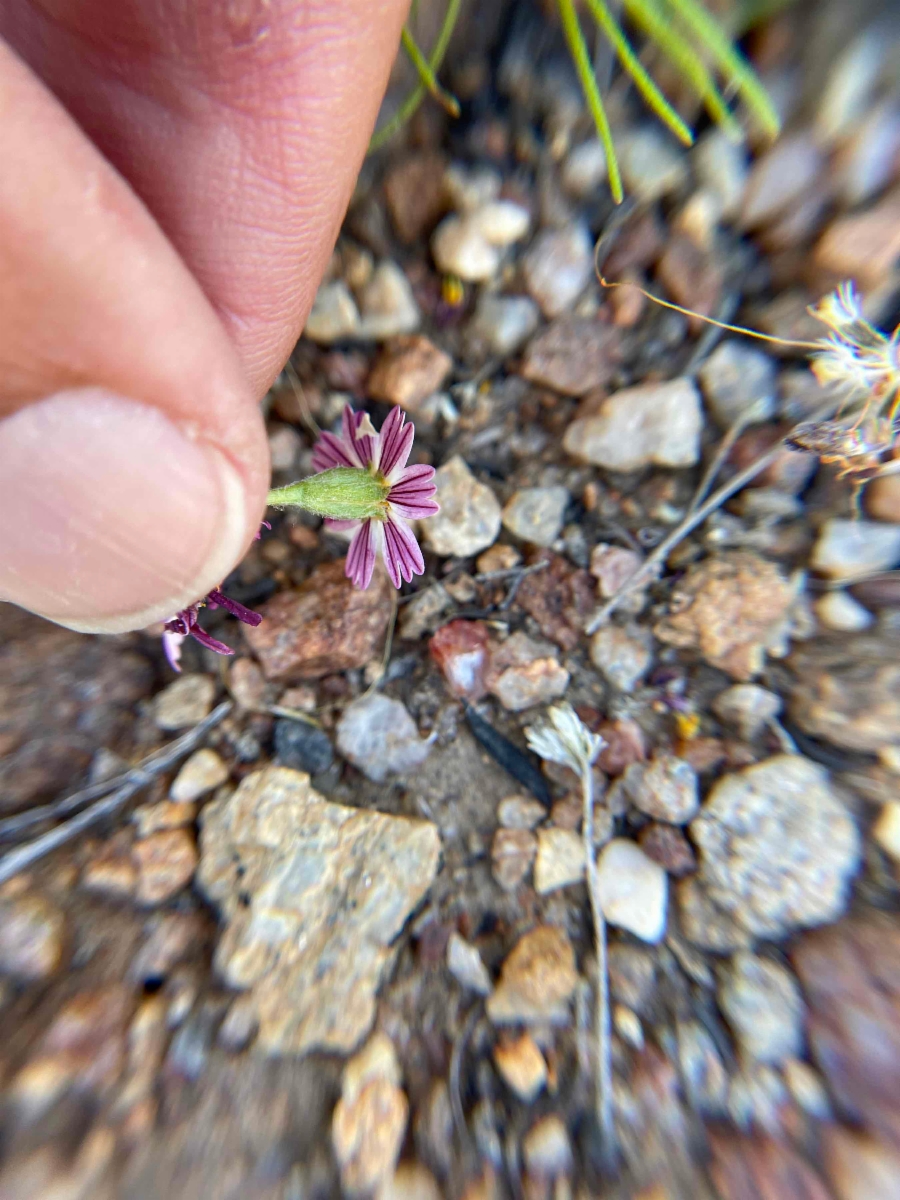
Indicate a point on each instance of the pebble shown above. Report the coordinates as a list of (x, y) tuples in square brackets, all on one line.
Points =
[(522, 1066), (573, 355), (468, 189), (860, 1167), (380, 738), (847, 548), (806, 1087), (247, 684), (882, 499), (168, 814), (32, 937), (728, 608), (546, 1148), (285, 445), (185, 702), (781, 179), (612, 567), (387, 305), (165, 863), (369, 1119), (523, 672), (536, 514), (584, 169), (862, 246), (664, 788), (520, 812), (414, 192), (503, 323), (633, 890), (886, 830), (512, 853), (702, 1069), (423, 612), (867, 162), (202, 772), (761, 1002), (460, 248), (654, 423), (667, 845), (848, 89), (466, 965), (560, 860), (469, 520), (408, 370), (777, 847), (557, 267), (652, 165), (239, 1026), (501, 222), (847, 693), (738, 383), (756, 1165), (111, 872), (840, 612), (622, 655), (460, 649), (721, 168), (312, 896), (334, 315), (625, 744), (303, 746), (704, 923), (537, 980), (410, 1181), (748, 708), (173, 938), (323, 627)]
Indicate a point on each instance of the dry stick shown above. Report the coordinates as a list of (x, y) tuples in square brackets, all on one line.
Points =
[(654, 563), (601, 1013), (17, 860)]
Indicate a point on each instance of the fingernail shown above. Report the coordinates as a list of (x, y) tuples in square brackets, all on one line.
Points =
[(111, 516)]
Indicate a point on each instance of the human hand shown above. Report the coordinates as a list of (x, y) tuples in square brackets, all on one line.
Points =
[(173, 179)]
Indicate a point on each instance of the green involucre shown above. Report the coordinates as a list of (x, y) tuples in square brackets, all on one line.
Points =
[(343, 493)]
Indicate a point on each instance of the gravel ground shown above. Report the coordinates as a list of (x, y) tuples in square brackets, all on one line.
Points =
[(344, 945)]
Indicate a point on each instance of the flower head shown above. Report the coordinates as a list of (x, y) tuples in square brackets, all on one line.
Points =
[(565, 739), (184, 624), (407, 494)]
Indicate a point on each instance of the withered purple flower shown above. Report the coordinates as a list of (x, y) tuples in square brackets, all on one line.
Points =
[(409, 494), (185, 624)]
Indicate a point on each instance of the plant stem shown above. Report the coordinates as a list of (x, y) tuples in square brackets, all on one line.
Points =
[(602, 1027)]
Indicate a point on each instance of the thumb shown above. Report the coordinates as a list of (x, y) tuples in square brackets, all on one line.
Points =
[(133, 460)]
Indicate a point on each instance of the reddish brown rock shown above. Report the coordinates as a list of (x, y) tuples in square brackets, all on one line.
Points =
[(790, 472), (667, 845), (760, 1168), (560, 598), (414, 191), (408, 370), (460, 649), (574, 355), (325, 626), (862, 246), (850, 975), (625, 744), (692, 277), (165, 863)]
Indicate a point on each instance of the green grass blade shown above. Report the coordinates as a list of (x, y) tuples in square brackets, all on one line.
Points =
[(585, 70), (414, 99), (733, 65), (647, 16), (427, 77), (642, 81)]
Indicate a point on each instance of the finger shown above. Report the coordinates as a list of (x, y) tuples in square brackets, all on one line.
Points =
[(133, 463), (241, 125)]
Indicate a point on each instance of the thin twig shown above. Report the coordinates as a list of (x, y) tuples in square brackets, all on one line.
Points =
[(601, 1010), (654, 563), (454, 1075), (722, 451), (31, 852)]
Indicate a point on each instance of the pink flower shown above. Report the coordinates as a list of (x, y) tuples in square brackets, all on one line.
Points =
[(184, 624), (410, 497)]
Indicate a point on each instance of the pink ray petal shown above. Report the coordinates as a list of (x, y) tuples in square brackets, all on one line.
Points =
[(412, 496), (396, 443), (361, 448), (361, 556), (336, 525), (331, 451), (402, 555), (172, 646)]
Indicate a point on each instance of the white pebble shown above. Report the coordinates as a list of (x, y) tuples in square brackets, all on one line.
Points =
[(501, 222), (886, 830), (387, 304), (201, 773), (459, 248), (846, 549), (633, 890), (466, 966), (334, 314), (839, 611)]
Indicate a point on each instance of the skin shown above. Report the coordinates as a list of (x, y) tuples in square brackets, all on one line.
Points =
[(175, 173)]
